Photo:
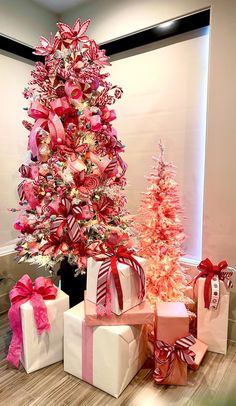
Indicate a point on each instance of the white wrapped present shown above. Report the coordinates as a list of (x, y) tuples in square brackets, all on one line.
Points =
[(36, 319), (42, 350), (107, 357), (129, 281)]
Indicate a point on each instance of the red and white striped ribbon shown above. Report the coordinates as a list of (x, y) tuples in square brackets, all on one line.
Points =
[(66, 219), (166, 353), (108, 267)]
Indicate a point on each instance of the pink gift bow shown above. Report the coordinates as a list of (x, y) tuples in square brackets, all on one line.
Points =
[(213, 275), (110, 257), (23, 291), (166, 353), (44, 117)]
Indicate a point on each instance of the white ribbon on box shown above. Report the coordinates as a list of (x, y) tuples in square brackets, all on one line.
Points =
[(212, 324), (107, 357), (40, 351), (129, 283)]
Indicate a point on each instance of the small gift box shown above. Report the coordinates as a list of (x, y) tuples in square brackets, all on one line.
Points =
[(36, 319), (115, 282), (214, 282), (172, 345), (140, 314), (106, 357), (199, 349)]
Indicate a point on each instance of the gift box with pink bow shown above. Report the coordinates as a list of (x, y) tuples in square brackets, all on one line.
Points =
[(36, 320), (214, 283)]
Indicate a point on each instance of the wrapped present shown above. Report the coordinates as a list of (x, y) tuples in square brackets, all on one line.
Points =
[(199, 349), (172, 344), (36, 319), (107, 357), (115, 281), (214, 282), (192, 305), (140, 314)]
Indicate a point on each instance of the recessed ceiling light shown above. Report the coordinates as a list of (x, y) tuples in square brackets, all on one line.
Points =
[(166, 24)]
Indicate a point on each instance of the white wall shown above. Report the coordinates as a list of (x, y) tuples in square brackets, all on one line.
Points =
[(113, 18), (26, 21)]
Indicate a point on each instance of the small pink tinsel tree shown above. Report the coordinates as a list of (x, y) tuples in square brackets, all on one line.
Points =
[(161, 234)]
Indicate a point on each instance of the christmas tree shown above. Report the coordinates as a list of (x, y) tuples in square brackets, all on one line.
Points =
[(71, 195), (161, 234)]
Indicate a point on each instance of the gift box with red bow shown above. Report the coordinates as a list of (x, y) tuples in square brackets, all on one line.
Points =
[(36, 319), (115, 281), (107, 357), (214, 282)]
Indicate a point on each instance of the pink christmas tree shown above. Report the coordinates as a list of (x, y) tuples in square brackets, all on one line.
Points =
[(71, 194), (161, 234)]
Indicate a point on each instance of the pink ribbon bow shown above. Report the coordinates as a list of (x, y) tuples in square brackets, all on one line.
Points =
[(46, 117), (110, 258), (23, 291), (165, 354), (213, 275)]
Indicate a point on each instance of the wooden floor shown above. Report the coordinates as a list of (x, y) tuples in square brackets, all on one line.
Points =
[(213, 384)]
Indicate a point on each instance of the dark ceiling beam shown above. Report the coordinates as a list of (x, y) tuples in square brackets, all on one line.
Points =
[(146, 36)]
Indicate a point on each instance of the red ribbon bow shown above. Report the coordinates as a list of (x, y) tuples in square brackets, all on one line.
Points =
[(67, 216), (166, 353), (23, 291), (110, 257), (213, 275)]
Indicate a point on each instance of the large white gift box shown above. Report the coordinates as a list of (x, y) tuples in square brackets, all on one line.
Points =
[(129, 280), (212, 324), (42, 350), (107, 357)]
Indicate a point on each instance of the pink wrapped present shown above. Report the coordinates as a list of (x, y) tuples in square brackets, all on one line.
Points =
[(140, 314), (214, 282), (115, 281), (200, 349), (107, 357), (172, 344)]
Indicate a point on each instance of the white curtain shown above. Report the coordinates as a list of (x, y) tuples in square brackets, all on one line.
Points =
[(165, 92)]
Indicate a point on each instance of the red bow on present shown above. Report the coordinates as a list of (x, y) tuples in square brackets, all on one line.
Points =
[(213, 275), (23, 291), (165, 354), (110, 258)]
